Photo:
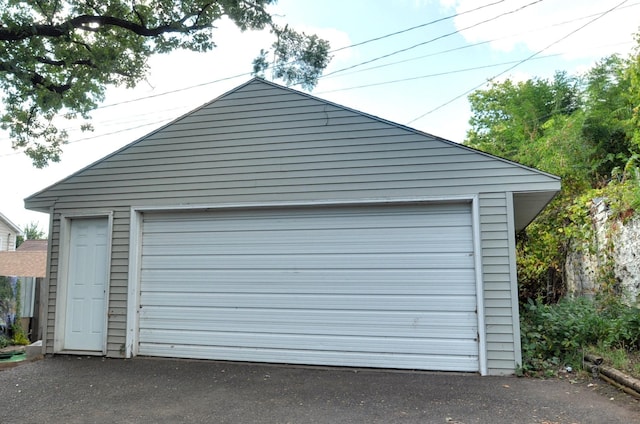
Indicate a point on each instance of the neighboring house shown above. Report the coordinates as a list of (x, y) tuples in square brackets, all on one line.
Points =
[(29, 264), (9, 233), (270, 225)]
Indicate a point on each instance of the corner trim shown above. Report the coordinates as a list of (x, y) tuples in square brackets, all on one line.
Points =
[(133, 292), (513, 277), (480, 312)]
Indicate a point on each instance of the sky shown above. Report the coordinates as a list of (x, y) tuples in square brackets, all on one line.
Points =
[(413, 62)]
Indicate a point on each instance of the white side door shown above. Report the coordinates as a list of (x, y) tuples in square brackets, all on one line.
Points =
[(86, 285)]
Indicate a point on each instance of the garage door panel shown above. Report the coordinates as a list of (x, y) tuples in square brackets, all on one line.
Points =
[(440, 239), (316, 342), (301, 261), (310, 301), (447, 362), (443, 325), (315, 219), (419, 282), (388, 286)]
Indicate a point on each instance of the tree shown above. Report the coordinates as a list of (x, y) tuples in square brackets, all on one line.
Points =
[(632, 73), (508, 115), (608, 111), (58, 57), (30, 232), (585, 129)]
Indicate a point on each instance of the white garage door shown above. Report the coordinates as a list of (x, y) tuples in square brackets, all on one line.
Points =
[(374, 286)]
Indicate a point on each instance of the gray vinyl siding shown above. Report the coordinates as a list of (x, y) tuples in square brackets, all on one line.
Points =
[(498, 296), (118, 280), (52, 286), (264, 143), (296, 147)]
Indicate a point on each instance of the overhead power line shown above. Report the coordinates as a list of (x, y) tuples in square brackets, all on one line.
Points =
[(392, 34), (178, 90), (363, 86), (332, 74), (440, 37), (437, 74), (519, 62), (469, 46)]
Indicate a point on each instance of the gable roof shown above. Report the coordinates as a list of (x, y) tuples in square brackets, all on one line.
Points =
[(262, 138), (33, 246), (10, 224), (29, 260)]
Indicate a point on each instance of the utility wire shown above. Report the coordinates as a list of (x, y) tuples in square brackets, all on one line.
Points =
[(164, 93), (332, 51), (177, 90), (375, 84), (440, 37), (102, 135), (519, 62), (438, 74), (468, 46), (382, 37)]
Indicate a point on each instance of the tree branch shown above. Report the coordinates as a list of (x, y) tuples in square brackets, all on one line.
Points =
[(37, 79), (85, 22), (62, 63)]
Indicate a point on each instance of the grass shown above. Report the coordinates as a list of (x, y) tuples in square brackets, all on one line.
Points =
[(623, 360)]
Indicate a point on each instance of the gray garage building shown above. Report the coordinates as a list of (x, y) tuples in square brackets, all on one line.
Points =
[(273, 226)]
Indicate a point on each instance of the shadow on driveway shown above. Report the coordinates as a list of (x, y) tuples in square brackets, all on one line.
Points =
[(65, 389)]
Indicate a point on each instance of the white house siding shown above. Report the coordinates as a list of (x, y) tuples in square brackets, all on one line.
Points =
[(264, 143), (7, 237)]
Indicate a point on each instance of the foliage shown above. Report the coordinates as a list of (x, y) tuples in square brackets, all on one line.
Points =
[(30, 232), (4, 341), (633, 74), (19, 337), (57, 58), (581, 128), (556, 335), (9, 301), (6, 297), (508, 115), (607, 114), (622, 360), (566, 224), (6, 292)]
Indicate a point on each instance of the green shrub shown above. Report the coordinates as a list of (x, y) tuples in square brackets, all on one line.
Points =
[(556, 335), (4, 341), (19, 337)]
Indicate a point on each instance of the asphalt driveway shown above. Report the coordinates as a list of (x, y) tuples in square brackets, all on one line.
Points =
[(96, 390)]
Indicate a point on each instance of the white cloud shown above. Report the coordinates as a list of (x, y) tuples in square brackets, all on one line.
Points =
[(537, 25)]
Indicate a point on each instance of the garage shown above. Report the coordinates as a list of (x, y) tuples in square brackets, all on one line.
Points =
[(377, 286), (270, 225)]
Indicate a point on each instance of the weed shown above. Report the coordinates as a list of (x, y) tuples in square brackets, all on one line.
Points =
[(557, 335)]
